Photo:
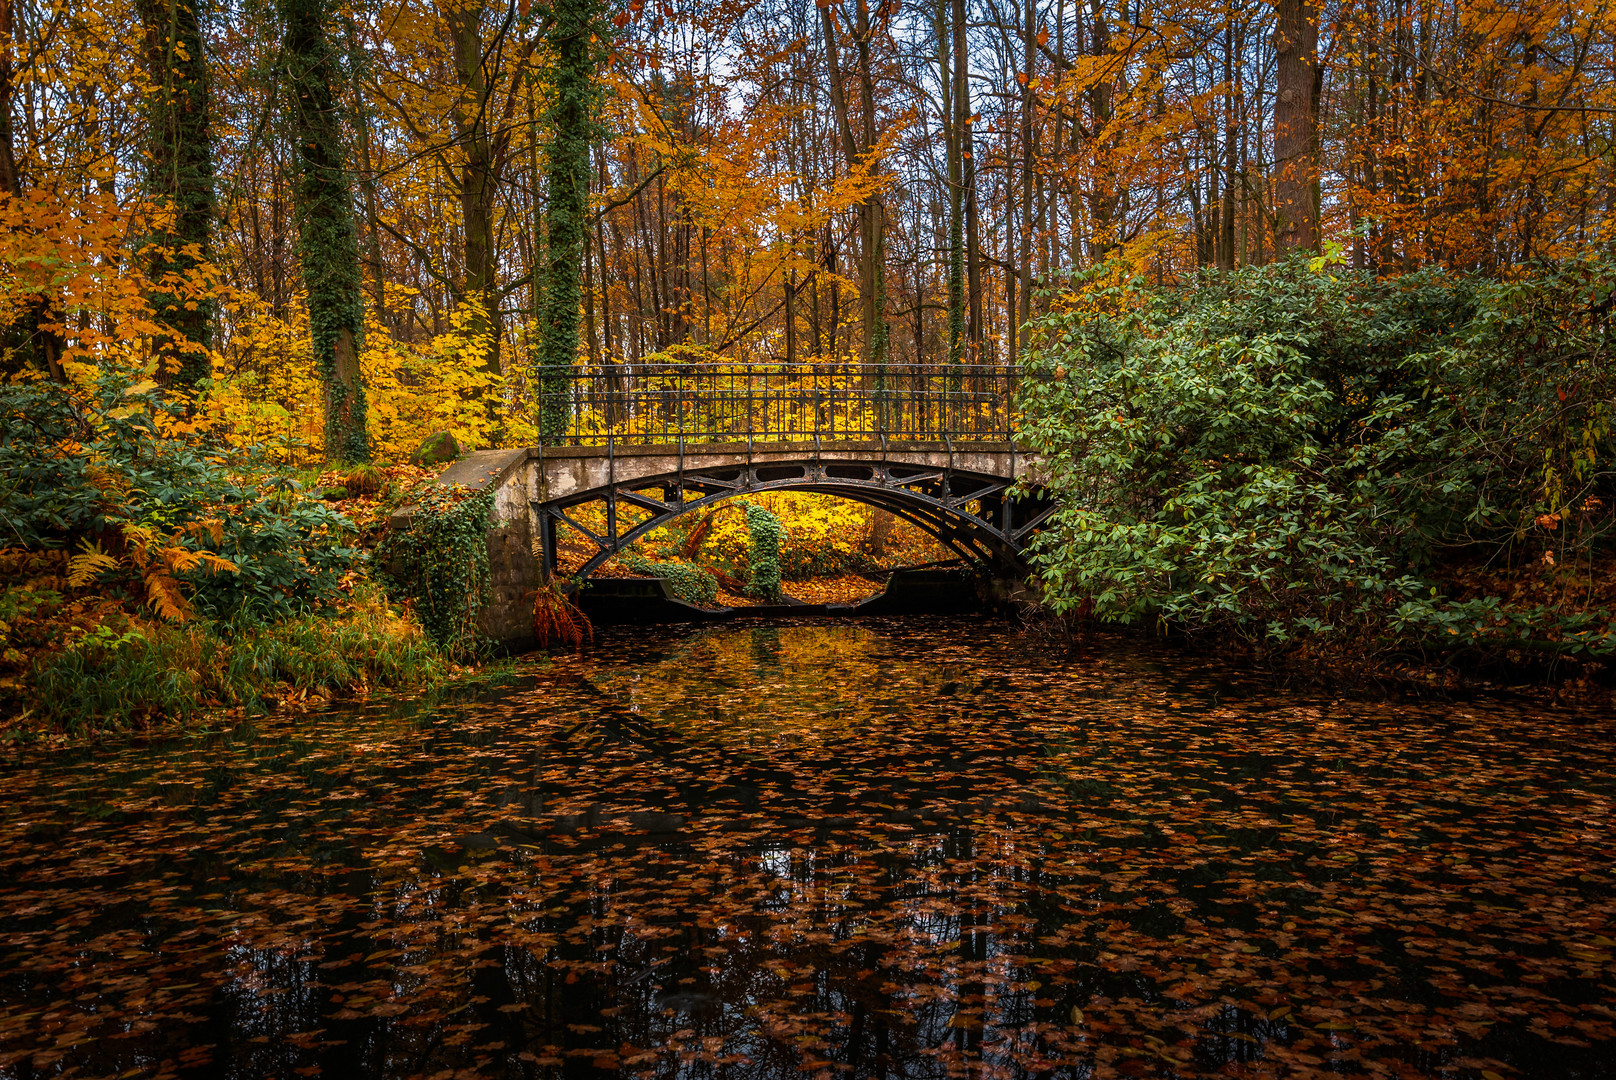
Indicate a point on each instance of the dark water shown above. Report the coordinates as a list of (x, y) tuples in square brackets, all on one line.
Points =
[(907, 849)]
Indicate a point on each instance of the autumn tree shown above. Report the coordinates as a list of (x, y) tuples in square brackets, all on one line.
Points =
[(180, 179), (327, 245)]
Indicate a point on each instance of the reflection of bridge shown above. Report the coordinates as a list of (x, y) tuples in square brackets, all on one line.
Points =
[(633, 447)]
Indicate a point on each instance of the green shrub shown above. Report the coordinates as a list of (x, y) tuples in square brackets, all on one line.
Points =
[(92, 470), (689, 583), (1284, 454), (438, 563), (763, 553)]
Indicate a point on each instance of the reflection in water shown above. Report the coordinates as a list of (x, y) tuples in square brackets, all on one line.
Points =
[(872, 849)]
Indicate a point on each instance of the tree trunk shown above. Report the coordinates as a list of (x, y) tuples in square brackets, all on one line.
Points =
[(858, 152), (948, 34), (327, 247), (1029, 83), (180, 176), (478, 183), (567, 171), (1231, 135), (1296, 126), (967, 185), (367, 182), (876, 331)]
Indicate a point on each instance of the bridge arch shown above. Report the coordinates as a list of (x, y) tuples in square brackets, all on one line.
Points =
[(973, 512), (982, 500)]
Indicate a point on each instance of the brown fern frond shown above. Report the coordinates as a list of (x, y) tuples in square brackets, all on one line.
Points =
[(217, 564), (138, 541), (557, 619), (82, 568), (177, 560), (167, 597), (211, 529)]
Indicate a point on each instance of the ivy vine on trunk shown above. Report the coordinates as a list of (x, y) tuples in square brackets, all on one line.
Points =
[(327, 245), (577, 33)]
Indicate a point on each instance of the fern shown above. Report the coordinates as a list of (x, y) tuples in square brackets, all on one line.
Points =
[(93, 560), (167, 597), (157, 559)]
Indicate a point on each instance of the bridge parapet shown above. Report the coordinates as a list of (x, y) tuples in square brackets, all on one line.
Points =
[(696, 402)]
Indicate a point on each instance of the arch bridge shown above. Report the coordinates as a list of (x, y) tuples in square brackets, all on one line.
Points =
[(630, 448)]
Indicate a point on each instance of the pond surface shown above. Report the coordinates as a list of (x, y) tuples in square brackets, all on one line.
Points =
[(883, 849)]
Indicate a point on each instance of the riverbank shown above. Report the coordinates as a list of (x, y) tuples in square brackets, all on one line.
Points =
[(1483, 659), (152, 578)]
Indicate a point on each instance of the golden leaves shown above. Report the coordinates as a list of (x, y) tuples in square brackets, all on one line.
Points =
[(92, 560)]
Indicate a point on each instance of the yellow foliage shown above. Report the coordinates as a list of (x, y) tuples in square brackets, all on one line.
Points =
[(822, 526), (273, 399)]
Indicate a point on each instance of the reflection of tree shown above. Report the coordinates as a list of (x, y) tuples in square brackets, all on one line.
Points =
[(766, 648)]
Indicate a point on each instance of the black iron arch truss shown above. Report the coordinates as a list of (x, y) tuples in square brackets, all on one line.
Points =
[(976, 515)]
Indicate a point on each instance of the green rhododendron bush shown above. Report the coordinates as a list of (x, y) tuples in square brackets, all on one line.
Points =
[(1298, 456)]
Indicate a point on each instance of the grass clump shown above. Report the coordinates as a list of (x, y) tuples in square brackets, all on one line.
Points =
[(128, 673)]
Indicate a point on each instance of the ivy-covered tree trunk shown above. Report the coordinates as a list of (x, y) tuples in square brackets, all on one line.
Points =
[(180, 177), (573, 55), (327, 246)]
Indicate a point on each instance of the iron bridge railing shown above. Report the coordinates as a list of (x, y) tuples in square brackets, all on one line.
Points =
[(717, 402)]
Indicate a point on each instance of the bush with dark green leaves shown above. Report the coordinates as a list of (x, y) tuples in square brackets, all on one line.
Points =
[(1288, 454), (84, 469), (689, 583)]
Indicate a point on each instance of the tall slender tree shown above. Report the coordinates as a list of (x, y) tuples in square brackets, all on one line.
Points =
[(575, 34), (859, 150), (327, 246), (943, 15), (179, 159), (1296, 125)]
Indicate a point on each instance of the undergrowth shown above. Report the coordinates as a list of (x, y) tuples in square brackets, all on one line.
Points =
[(438, 563), (149, 575), (129, 672)]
